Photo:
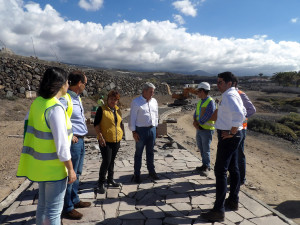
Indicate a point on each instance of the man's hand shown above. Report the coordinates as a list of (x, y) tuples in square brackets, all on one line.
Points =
[(74, 139), (72, 176), (226, 134), (196, 125), (135, 136)]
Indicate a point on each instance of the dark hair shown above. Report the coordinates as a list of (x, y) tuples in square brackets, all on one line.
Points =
[(235, 81), (114, 94), (53, 79), (76, 76), (226, 76)]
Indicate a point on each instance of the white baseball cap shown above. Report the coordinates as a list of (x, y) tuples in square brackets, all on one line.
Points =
[(204, 85)]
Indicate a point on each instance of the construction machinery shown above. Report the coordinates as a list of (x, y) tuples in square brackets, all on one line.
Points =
[(182, 98)]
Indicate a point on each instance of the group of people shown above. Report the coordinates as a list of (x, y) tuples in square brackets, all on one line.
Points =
[(229, 118), (53, 149)]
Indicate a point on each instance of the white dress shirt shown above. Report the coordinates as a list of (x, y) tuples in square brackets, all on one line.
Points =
[(143, 113), (231, 112), (55, 117)]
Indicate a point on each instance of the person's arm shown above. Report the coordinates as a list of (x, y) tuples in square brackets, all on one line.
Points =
[(195, 122), (208, 112), (132, 121), (97, 122), (133, 116), (57, 123), (250, 108)]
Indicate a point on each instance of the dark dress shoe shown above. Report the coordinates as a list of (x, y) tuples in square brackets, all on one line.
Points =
[(136, 179), (113, 183), (213, 216), (73, 215), (82, 204), (153, 176), (230, 205), (101, 188)]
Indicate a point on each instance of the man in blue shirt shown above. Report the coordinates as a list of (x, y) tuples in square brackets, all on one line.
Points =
[(74, 108), (204, 126)]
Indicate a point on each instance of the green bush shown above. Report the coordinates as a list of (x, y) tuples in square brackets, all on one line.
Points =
[(272, 128)]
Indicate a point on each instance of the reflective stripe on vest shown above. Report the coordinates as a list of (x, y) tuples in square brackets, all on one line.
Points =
[(209, 125), (39, 161), (43, 135)]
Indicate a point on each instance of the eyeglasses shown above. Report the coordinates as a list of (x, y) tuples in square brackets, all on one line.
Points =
[(220, 82)]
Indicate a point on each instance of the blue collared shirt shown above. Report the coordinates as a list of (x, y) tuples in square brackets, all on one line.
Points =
[(78, 119)]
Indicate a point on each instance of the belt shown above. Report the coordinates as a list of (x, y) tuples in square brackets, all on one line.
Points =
[(146, 127), (222, 130), (82, 137)]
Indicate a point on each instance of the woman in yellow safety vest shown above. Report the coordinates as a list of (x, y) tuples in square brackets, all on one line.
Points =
[(108, 126), (45, 156)]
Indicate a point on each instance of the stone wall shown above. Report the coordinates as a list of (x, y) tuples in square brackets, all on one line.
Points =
[(20, 74)]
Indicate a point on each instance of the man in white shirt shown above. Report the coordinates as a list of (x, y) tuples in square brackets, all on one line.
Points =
[(143, 123), (231, 114)]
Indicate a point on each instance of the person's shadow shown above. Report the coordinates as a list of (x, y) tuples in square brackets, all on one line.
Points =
[(290, 209)]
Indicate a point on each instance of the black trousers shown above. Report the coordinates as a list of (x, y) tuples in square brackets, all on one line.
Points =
[(109, 153)]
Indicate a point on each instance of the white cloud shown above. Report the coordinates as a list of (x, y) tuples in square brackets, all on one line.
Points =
[(152, 45), (179, 19), (90, 5), (294, 20), (185, 7)]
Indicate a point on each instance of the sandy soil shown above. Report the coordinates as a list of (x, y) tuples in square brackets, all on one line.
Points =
[(273, 164)]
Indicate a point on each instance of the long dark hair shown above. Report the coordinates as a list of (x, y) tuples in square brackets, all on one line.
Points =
[(54, 78)]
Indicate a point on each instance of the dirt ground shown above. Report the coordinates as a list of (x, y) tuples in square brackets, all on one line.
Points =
[(273, 164)]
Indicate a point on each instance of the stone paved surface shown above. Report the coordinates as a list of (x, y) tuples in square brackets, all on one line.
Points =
[(177, 198)]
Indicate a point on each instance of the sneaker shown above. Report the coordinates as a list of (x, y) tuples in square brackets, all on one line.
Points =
[(73, 215), (154, 176), (230, 205), (213, 216), (82, 204)]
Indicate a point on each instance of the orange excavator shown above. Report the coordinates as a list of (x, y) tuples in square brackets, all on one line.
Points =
[(183, 97)]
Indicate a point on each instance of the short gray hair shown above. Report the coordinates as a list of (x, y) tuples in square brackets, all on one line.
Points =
[(148, 85)]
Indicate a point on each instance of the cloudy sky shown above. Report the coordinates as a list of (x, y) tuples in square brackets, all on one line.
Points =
[(244, 36)]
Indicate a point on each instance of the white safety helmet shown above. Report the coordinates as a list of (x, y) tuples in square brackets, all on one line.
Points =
[(204, 85)]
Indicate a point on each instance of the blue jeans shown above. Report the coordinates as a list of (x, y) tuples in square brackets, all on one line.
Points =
[(147, 138), (227, 160), (77, 154), (51, 201), (203, 139), (242, 158)]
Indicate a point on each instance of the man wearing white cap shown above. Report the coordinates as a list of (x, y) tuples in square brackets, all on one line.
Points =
[(204, 126)]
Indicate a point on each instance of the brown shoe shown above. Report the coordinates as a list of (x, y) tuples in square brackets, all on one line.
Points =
[(73, 215), (82, 204)]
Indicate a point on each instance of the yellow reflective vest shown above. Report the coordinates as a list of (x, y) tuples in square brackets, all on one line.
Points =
[(39, 161), (111, 131), (209, 125)]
